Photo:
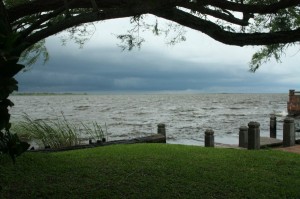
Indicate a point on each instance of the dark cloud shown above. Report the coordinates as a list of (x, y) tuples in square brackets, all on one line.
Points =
[(200, 63), (109, 69)]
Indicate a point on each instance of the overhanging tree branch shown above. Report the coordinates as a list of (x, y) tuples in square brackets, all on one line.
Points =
[(260, 8), (44, 6), (226, 37), (217, 14), (83, 18), (42, 19), (37, 6)]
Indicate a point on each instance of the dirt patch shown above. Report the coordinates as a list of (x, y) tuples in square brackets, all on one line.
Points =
[(292, 149)]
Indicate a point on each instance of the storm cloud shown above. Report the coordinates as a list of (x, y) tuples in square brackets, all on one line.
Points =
[(199, 64)]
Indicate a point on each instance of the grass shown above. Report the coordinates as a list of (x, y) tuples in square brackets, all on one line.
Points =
[(56, 133), (96, 132), (152, 171)]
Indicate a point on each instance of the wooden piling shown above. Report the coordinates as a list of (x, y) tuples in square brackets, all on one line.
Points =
[(288, 132), (273, 126), (209, 140), (253, 135), (243, 137), (161, 129)]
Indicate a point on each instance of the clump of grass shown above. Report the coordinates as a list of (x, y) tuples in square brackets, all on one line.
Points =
[(95, 133), (56, 133)]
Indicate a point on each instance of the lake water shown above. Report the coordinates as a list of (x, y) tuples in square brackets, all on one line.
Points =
[(186, 116)]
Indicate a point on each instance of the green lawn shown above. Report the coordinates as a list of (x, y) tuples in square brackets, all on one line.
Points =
[(152, 171)]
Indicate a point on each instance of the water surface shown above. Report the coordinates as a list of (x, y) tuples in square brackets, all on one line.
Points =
[(186, 116)]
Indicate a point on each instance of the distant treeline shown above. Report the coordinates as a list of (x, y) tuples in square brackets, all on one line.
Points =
[(46, 93)]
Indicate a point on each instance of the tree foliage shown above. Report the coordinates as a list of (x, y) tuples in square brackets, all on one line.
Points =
[(271, 23)]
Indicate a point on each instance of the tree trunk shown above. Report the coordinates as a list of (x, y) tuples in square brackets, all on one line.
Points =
[(9, 55)]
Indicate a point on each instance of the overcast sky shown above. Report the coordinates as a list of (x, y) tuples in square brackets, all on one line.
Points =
[(200, 64)]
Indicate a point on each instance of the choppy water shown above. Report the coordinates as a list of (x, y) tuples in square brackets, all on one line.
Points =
[(186, 116)]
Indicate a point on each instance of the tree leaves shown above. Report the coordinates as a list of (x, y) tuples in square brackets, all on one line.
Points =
[(32, 54), (266, 53), (129, 42)]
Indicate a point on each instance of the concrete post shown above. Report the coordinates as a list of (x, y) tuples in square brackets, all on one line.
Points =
[(161, 129), (243, 137), (273, 126), (253, 135), (288, 132), (209, 140)]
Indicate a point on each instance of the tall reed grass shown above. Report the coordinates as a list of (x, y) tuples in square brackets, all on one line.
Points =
[(57, 133), (96, 132)]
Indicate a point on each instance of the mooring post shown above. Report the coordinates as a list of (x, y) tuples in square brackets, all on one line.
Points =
[(209, 140), (288, 132), (273, 126), (161, 129), (243, 137), (253, 135)]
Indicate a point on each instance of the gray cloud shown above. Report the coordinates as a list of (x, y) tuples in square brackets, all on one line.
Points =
[(200, 64), (113, 70)]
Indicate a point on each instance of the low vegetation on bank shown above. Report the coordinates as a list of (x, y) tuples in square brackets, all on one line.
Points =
[(152, 171), (58, 132)]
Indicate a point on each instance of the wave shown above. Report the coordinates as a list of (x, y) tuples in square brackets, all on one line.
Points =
[(210, 108), (81, 108), (280, 114), (229, 114), (236, 108)]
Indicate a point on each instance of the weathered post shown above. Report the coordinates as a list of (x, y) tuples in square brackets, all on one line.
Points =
[(209, 140), (253, 135), (288, 132), (161, 129), (273, 126), (243, 137)]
